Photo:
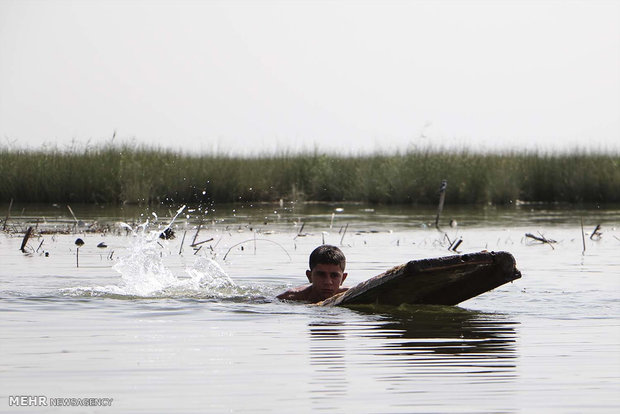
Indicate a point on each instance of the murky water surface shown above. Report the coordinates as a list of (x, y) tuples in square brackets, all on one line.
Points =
[(160, 326)]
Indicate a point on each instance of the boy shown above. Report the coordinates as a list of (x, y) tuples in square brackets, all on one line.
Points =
[(326, 275)]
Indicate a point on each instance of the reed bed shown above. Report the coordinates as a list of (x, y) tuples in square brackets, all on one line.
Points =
[(132, 174)]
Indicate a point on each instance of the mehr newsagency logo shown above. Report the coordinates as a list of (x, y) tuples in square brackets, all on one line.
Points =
[(43, 401)]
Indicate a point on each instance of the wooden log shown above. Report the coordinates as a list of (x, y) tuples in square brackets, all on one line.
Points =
[(442, 281)]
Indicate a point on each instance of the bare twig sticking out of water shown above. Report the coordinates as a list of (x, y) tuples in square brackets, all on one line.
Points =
[(455, 245), (442, 197), (25, 239), (182, 240), (73, 214), (300, 233), (255, 240), (541, 239), (331, 223), (197, 231), (583, 239), (597, 233), (201, 242), (343, 233), (8, 215)]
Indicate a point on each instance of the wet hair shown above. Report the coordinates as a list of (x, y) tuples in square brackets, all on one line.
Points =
[(327, 254)]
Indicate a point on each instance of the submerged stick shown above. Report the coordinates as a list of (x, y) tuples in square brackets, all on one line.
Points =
[(596, 233), (300, 232), (442, 197), (25, 239), (73, 214), (182, 240), (456, 245), (8, 215), (343, 233), (255, 240), (583, 239), (541, 239), (201, 242), (197, 231)]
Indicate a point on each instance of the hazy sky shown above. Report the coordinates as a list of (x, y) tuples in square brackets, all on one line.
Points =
[(349, 75)]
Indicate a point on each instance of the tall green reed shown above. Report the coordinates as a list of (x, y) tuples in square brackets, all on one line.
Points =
[(134, 174)]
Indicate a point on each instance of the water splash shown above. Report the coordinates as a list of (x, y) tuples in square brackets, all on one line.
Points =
[(144, 274)]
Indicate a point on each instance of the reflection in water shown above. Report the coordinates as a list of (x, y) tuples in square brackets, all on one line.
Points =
[(328, 357), (414, 349)]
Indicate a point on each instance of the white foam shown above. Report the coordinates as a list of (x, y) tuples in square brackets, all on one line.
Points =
[(144, 273)]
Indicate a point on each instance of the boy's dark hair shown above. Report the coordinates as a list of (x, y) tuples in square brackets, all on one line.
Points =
[(327, 254)]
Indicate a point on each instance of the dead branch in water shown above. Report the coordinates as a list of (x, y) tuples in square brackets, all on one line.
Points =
[(25, 239), (255, 240), (597, 233), (197, 231), (300, 233), (343, 233), (182, 241), (8, 215), (541, 239), (583, 239), (201, 242), (442, 197), (455, 245), (77, 222)]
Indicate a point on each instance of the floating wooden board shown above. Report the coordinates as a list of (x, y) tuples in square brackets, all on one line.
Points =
[(442, 281)]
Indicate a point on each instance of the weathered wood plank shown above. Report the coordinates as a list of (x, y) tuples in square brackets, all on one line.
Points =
[(442, 281)]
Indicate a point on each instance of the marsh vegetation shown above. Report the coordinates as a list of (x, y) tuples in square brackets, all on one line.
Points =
[(130, 174)]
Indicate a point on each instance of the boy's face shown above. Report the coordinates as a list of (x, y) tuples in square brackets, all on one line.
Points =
[(326, 279)]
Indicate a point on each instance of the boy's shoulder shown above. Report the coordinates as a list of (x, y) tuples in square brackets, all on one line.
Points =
[(300, 293)]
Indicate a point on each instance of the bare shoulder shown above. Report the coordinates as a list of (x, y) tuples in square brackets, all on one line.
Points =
[(300, 293)]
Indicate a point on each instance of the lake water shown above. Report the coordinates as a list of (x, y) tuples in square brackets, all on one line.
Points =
[(158, 326)]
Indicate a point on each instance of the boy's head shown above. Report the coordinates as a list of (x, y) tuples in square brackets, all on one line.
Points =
[(326, 272), (327, 254)]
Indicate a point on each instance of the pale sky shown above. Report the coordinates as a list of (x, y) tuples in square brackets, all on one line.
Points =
[(351, 76)]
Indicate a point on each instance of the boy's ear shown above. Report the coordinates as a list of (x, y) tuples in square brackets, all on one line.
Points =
[(309, 275), (344, 276)]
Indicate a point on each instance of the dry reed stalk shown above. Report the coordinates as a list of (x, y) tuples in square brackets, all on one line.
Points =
[(343, 233), (583, 239), (182, 240), (8, 215), (197, 231), (442, 197), (73, 214)]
